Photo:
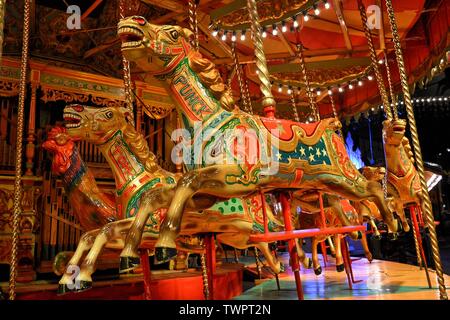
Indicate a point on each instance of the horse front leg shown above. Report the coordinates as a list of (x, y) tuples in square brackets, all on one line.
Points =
[(339, 259), (273, 262), (365, 246), (66, 283), (315, 256), (150, 201), (210, 181)]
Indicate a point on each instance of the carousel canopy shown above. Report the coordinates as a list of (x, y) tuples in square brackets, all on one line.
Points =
[(331, 33)]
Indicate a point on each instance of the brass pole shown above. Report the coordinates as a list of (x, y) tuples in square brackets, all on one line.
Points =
[(294, 106), (333, 107), (193, 22), (238, 69), (126, 73), (246, 91), (309, 93), (18, 192), (391, 87), (417, 151), (2, 19), (204, 276), (268, 102), (374, 62)]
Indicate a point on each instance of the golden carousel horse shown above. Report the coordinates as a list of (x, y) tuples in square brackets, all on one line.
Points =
[(290, 156), (141, 185)]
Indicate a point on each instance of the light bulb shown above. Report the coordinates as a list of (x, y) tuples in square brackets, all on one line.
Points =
[(233, 37), (327, 5), (350, 86), (318, 92), (295, 23), (243, 36), (224, 37), (280, 88), (274, 31), (305, 17), (264, 34), (360, 83), (330, 92), (316, 11), (341, 89), (370, 78), (214, 33), (283, 28)]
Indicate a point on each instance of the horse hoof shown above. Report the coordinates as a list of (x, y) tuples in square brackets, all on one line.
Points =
[(340, 267), (84, 285), (128, 263), (360, 235), (310, 264), (318, 271), (369, 258), (163, 254), (377, 237), (282, 268), (64, 289), (393, 236)]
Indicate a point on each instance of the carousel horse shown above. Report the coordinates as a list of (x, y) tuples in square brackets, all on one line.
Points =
[(143, 186), (338, 213), (92, 207), (289, 156), (403, 182)]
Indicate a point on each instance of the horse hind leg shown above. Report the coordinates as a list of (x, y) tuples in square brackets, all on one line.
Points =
[(339, 259), (273, 262), (66, 283), (304, 260), (109, 232), (315, 256)]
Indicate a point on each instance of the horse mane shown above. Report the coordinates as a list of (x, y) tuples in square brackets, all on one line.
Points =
[(210, 77), (139, 148)]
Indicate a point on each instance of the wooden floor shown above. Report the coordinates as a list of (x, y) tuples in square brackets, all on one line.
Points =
[(381, 280)]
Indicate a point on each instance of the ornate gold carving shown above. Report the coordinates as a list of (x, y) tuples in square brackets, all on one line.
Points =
[(107, 102), (322, 77), (9, 88), (55, 95), (156, 112), (268, 11)]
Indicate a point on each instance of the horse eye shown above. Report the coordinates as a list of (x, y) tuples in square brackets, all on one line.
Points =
[(174, 34), (109, 114)]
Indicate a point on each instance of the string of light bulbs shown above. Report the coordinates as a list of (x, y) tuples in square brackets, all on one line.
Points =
[(273, 28)]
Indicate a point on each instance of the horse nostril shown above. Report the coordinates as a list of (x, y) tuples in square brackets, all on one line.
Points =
[(78, 108)]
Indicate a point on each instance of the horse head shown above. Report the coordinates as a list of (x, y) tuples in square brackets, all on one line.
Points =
[(61, 145), (374, 173), (94, 124), (394, 131), (155, 49)]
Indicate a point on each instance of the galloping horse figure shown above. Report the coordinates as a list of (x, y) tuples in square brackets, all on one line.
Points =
[(402, 177), (92, 207), (284, 155), (142, 186), (338, 212)]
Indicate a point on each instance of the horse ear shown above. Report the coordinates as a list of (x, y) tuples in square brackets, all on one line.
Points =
[(126, 113), (188, 34)]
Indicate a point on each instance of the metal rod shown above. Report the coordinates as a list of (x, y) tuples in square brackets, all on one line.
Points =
[(2, 22), (416, 229), (17, 210), (391, 86), (238, 69), (374, 62), (268, 102), (309, 93), (417, 151)]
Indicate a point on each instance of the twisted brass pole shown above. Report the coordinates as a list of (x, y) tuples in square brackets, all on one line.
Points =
[(294, 107), (204, 276), (391, 87), (268, 102), (18, 192), (193, 22), (417, 151), (126, 73), (246, 91), (416, 244), (238, 69), (309, 93), (333, 107), (374, 62), (2, 18)]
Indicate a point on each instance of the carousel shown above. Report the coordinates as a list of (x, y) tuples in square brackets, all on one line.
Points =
[(201, 150)]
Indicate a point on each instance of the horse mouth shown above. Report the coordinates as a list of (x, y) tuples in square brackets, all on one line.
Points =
[(398, 129), (72, 120), (130, 36)]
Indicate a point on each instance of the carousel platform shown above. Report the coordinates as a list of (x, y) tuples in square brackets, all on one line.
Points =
[(378, 280), (165, 285)]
